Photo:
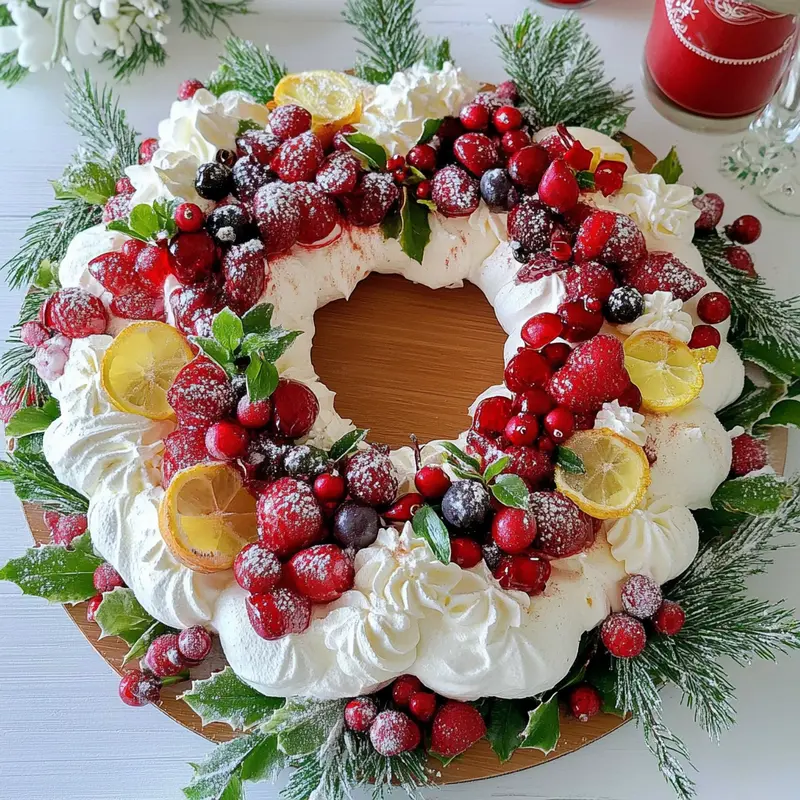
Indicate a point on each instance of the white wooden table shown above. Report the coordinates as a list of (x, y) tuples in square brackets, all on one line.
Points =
[(64, 735)]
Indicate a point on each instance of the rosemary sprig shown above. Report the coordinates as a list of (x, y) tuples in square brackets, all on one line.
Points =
[(202, 16), (248, 68), (35, 482), (559, 73)]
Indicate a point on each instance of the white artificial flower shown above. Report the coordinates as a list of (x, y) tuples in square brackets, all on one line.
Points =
[(94, 38), (109, 9), (32, 35)]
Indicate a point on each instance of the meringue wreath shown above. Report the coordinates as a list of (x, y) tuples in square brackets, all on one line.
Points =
[(584, 542)]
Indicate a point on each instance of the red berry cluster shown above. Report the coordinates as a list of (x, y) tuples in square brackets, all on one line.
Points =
[(743, 230), (64, 528)]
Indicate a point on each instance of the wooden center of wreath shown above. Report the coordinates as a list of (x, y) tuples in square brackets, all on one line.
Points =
[(403, 358)]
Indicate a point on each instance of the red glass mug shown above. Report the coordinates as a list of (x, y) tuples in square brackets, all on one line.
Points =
[(719, 58)]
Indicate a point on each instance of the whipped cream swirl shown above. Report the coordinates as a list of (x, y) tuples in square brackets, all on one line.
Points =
[(662, 312), (622, 420)]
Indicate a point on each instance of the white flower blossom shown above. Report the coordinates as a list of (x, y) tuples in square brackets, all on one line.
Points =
[(31, 35)]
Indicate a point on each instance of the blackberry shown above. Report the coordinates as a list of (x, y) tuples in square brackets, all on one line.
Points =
[(495, 187), (520, 253), (230, 225), (355, 525), (213, 181), (305, 462), (466, 505), (624, 305)]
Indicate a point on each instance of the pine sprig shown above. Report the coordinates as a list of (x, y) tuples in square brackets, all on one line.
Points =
[(146, 51), (558, 71), (11, 72), (249, 69), (16, 368), (35, 482), (201, 16)]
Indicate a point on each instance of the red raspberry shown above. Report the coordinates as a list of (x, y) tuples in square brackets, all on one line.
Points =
[(507, 118), (294, 409), (92, 606), (740, 259), (744, 230), (559, 424), (432, 482), (138, 305), (188, 88), (289, 120), (532, 465), (403, 688), (163, 658), (512, 141), (527, 166), (405, 508), (422, 706), (114, 271), (147, 150), (711, 208), (465, 552), (106, 578), (278, 613), (456, 727), (330, 488), (340, 138), (289, 517), (522, 430), (641, 596), (254, 415), (318, 214), (423, 157), (33, 334), (558, 187), (713, 308), (589, 280), (297, 159), (455, 192), (194, 644), (665, 273), (393, 733), (189, 218), (183, 448), (359, 714), (193, 256), (624, 636), (526, 370), (245, 269), (563, 530), (257, 569), (525, 572), (276, 209), (474, 117), (669, 619), (259, 145), (338, 173), (371, 477), (75, 313), (226, 441), (534, 402), (585, 702), (195, 306), (580, 323), (749, 454), (531, 223), (513, 530), (322, 573), (249, 175), (68, 528), (610, 238), (476, 151), (492, 415), (372, 199), (153, 265), (137, 688)]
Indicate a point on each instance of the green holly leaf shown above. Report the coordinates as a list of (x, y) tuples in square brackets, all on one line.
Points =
[(767, 357), (603, 679), (121, 614), (786, 413), (511, 491), (460, 457), (569, 461), (415, 229), (428, 525), (139, 647), (717, 523), (429, 130), (543, 728), (258, 319), (224, 697), (248, 125), (366, 147), (215, 351), (264, 762), (669, 168), (261, 377), (228, 329), (271, 345), (33, 419), (758, 495), (495, 468), (753, 404), (585, 180), (303, 724), (55, 573), (347, 444), (507, 721)]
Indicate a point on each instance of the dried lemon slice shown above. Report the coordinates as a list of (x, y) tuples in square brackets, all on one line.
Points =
[(140, 365), (666, 371), (207, 516), (332, 99), (615, 477)]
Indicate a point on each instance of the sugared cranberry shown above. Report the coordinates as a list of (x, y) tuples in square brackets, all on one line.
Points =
[(556, 354), (526, 369), (705, 336), (432, 482), (744, 230), (522, 430), (641, 596), (422, 706), (404, 509), (523, 573), (322, 573), (193, 256), (278, 613), (75, 313), (276, 210), (534, 402), (513, 530), (289, 517), (201, 393), (289, 120), (189, 88), (137, 688), (163, 657), (492, 415), (118, 206), (507, 118), (559, 424), (371, 477), (147, 149), (106, 578), (748, 455), (713, 308), (423, 157), (92, 606), (474, 117), (455, 192), (294, 409), (584, 702), (394, 733), (403, 688), (254, 414), (359, 714), (507, 91), (541, 329), (624, 636), (527, 166), (669, 619), (465, 552), (256, 568), (330, 488), (297, 159), (226, 441), (513, 141), (194, 644), (740, 259)]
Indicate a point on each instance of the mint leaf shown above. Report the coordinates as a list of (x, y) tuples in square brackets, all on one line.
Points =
[(415, 228), (767, 356), (144, 220), (758, 495), (429, 130), (224, 697), (511, 491), (258, 319), (585, 179), (121, 226), (303, 725), (544, 728), (261, 377), (121, 614), (461, 457), (33, 419), (271, 345), (165, 213), (507, 720), (495, 468), (139, 647), (669, 168), (228, 329), (55, 573), (264, 762), (216, 352), (347, 444), (428, 526), (752, 404), (466, 474), (248, 125), (366, 147), (786, 413), (569, 461), (219, 775)]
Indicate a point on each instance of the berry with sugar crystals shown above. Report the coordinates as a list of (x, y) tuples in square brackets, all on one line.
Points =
[(476, 151), (260, 145), (465, 552), (711, 207), (393, 733), (372, 199), (492, 415), (183, 448), (106, 578), (527, 166), (749, 454), (137, 688), (624, 636), (594, 234), (496, 189), (254, 414), (455, 192), (641, 596), (297, 159), (294, 409), (319, 214), (289, 517), (355, 525), (744, 230), (521, 430), (541, 329), (423, 157), (558, 187), (138, 304), (195, 306), (663, 272), (152, 267), (584, 702), (669, 619), (163, 658), (213, 181), (338, 173), (321, 573), (507, 91), (359, 714), (740, 259), (556, 353), (201, 393), (526, 369), (340, 138), (559, 424), (432, 482), (513, 530), (75, 313), (194, 644), (276, 210), (33, 333), (474, 117), (589, 280), (278, 612), (67, 528), (188, 89), (371, 477), (229, 225), (534, 402), (226, 441), (188, 217), (456, 727), (466, 505), (422, 705), (704, 336), (531, 223), (193, 256), (329, 488), (249, 175), (147, 149), (257, 569), (507, 118), (91, 607), (117, 206), (624, 304), (713, 308), (512, 141), (403, 688), (580, 323), (532, 465), (563, 530), (114, 271), (289, 120)]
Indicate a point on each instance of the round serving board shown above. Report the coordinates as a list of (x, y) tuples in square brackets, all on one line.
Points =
[(403, 359)]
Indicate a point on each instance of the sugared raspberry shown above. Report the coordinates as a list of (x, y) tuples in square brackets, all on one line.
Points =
[(744, 230), (558, 187), (492, 415), (610, 238), (257, 569), (455, 192), (663, 272), (319, 214), (641, 596), (624, 636), (526, 370), (147, 149), (245, 269), (201, 393), (106, 578), (432, 482), (531, 464), (75, 313), (297, 159), (249, 175), (584, 702), (278, 613), (33, 333), (713, 308), (137, 688), (589, 280), (91, 607), (195, 306), (393, 733), (522, 430), (513, 530), (338, 173), (359, 714), (371, 477), (183, 448), (68, 528), (476, 151), (260, 145), (422, 706), (465, 552), (114, 271), (138, 304), (289, 120), (562, 528), (669, 619), (523, 572), (749, 454), (372, 199), (294, 409), (163, 658), (276, 209), (531, 223), (322, 573), (711, 206), (559, 424), (456, 727), (474, 117), (188, 88), (527, 166), (193, 256), (289, 517)]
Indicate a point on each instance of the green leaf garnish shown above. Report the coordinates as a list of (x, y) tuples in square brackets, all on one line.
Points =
[(457, 455), (228, 329), (753, 404), (757, 495), (766, 355), (585, 179), (544, 728), (786, 413), (89, 181), (258, 319), (216, 352), (495, 468), (303, 724), (121, 614), (415, 229), (347, 444), (669, 168), (430, 129), (511, 491), (507, 721), (569, 461), (427, 525), (261, 377), (368, 149), (33, 419), (138, 649), (271, 345)]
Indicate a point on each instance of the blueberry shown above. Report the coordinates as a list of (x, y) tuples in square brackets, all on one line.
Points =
[(520, 253), (466, 505), (624, 305), (355, 525), (495, 187), (213, 181), (229, 225), (492, 555)]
